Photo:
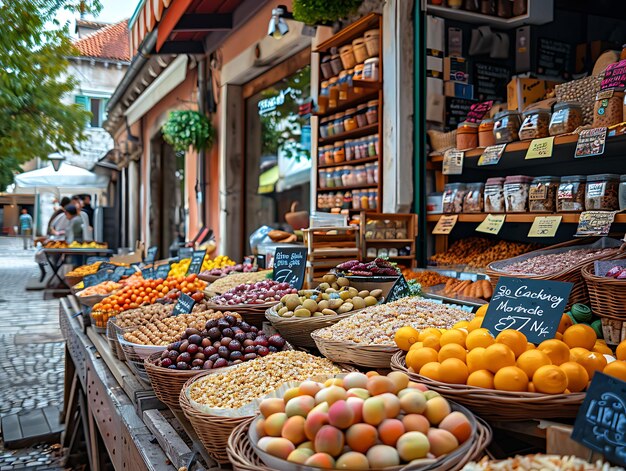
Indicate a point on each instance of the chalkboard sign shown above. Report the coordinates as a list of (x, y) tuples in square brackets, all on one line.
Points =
[(457, 110), (400, 289), (92, 260), (184, 305), (533, 307), (162, 271), (490, 82), (290, 265), (614, 76), (151, 254), (554, 58), (196, 261), (185, 252), (601, 420)]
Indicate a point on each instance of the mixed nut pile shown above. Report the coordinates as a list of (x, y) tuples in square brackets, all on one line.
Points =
[(262, 292), (376, 267), (545, 264)]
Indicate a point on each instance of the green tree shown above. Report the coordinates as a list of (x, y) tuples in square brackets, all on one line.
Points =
[(34, 48)]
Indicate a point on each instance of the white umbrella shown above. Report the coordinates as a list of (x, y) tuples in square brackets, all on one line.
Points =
[(69, 177)]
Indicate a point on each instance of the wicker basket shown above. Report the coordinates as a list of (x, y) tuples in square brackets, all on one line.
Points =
[(112, 333), (92, 300), (370, 283), (607, 295), (135, 354), (491, 404), (369, 356), (441, 141)]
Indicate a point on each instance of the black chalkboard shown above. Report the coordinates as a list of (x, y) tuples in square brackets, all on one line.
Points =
[(400, 289), (290, 265), (554, 58), (184, 305), (185, 252), (196, 261), (162, 271), (533, 307), (97, 278), (601, 420), (490, 82), (91, 260), (151, 254)]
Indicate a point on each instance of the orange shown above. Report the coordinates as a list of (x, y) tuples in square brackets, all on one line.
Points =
[(557, 350), (514, 339), (431, 370), (591, 361), (428, 331), (461, 325), (481, 379), (416, 345), (530, 346), (620, 353), (531, 387), (498, 356), (456, 336), (452, 350), (482, 310), (511, 378), (577, 376), (475, 360), (453, 371), (550, 379), (479, 338), (558, 336), (566, 321), (531, 360), (616, 369), (602, 348), (431, 341), (405, 337), (419, 357), (475, 323), (580, 335)]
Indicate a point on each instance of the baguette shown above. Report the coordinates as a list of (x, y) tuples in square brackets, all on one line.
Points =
[(487, 289)]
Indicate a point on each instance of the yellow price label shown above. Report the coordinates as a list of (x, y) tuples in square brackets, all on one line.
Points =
[(540, 148), (445, 224), (545, 226), (492, 224)]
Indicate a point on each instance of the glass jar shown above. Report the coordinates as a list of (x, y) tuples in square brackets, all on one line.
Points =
[(330, 125), (506, 126), (473, 201), (453, 195), (485, 133), (361, 115), (359, 50), (356, 199), (321, 157), (505, 8), (333, 92), (516, 193), (571, 194), (602, 192), (566, 117), (369, 169), (622, 192), (349, 147), (346, 176), (322, 178), (361, 175), (347, 200), (346, 54), (349, 121), (358, 75), (335, 63), (322, 99), (466, 136), (536, 124), (373, 199), (371, 69), (338, 177), (343, 85), (372, 112), (327, 70), (372, 146), (608, 109), (324, 128), (339, 153), (494, 195), (338, 200), (365, 200), (542, 194), (488, 7), (338, 124)]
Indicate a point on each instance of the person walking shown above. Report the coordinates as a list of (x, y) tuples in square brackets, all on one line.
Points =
[(26, 228), (58, 222), (75, 231)]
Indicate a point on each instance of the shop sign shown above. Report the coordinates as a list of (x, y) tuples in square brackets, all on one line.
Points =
[(197, 257), (533, 307), (184, 305), (267, 105), (478, 111), (453, 162), (162, 271), (185, 252), (614, 76), (540, 148), (590, 142), (492, 224), (491, 155), (399, 290), (92, 260), (601, 420), (445, 224), (595, 223), (151, 254), (290, 265), (545, 226)]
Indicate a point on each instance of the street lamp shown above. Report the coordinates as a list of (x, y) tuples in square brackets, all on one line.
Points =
[(56, 160)]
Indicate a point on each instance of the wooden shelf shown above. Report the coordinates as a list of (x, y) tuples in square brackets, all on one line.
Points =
[(369, 84), (389, 241), (358, 132), (539, 13), (345, 188), (350, 162), (568, 218), (353, 31), (351, 102)]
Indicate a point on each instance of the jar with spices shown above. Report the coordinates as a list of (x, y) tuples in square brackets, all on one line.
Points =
[(566, 117), (571, 194), (516, 189), (322, 178), (359, 50), (494, 195), (365, 200), (333, 92), (542, 194), (361, 175), (466, 136), (372, 112), (488, 7), (371, 69), (602, 192), (485, 133), (608, 109), (453, 195), (335, 61), (338, 200), (338, 124), (505, 8), (356, 199), (506, 126), (358, 75), (330, 179), (339, 153), (369, 170), (327, 70), (375, 170), (373, 199), (357, 149), (473, 201), (622, 192), (346, 176), (361, 115), (347, 56), (349, 146), (324, 128), (349, 120), (535, 125), (343, 85), (372, 146)]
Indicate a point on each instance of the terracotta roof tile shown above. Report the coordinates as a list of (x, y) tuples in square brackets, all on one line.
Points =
[(110, 42)]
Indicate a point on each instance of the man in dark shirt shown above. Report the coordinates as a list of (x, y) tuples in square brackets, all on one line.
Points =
[(87, 208)]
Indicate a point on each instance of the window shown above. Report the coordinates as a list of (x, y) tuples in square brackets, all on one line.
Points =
[(96, 106)]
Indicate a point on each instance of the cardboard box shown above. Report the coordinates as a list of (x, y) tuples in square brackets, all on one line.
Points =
[(459, 89), (522, 92), (455, 69)]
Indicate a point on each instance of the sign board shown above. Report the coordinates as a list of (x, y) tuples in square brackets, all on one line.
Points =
[(540, 148), (595, 223), (492, 224), (92, 260), (184, 305), (453, 162), (554, 58), (151, 254), (490, 81), (118, 273), (445, 224), (533, 307), (491, 155), (162, 271), (545, 226), (601, 420), (196, 261), (399, 290), (185, 252), (290, 265), (590, 142), (614, 76)]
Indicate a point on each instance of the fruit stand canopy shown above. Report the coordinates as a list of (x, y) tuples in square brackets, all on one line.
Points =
[(68, 177)]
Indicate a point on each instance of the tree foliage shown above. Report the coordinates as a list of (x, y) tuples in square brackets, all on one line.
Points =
[(34, 122)]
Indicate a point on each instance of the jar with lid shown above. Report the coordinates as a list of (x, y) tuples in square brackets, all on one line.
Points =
[(365, 200), (339, 153), (371, 69), (338, 200), (516, 189), (361, 115), (608, 109), (361, 175), (473, 201), (338, 124), (369, 170), (343, 85), (358, 75), (324, 127), (542, 194), (453, 195), (330, 178), (321, 156), (347, 200), (494, 195), (327, 70), (466, 136), (333, 92), (359, 50), (535, 125), (485, 133), (335, 62), (566, 117), (322, 178), (357, 149), (346, 54), (322, 99), (602, 192), (571, 194), (373, 199), (372, 112), (349, 121), (346, 176), (356, 199), (622, 193), (349, 146), (372, 146), (375, 170), (506, 126)]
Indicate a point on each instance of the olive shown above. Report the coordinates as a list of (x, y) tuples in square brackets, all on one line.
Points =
[(223, 324), (207, 365), (226, 340), (181, 365), (199, 356), (249, 356), (236, 362), (236, 356), (206, 342), (214, 357), (192, 349), (185, 356), (172, 367), (272, 349), (191, 331), (276, 341), (165, 353), (263, 351), (232, 320), (217, 344), (211, 323), (174, 346), (214, 333), (195, 339), (249, 349), (245, 326), (183, 346), (234, 345), (228, 332), (210, 350), (173, 355), (248, 343), (240, 337), (254, 329), (250, 336), (197, 362), (165, 362), (221, 363), (223, 352)]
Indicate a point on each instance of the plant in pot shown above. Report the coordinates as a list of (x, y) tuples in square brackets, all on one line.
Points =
[(186, 128), (323, 11)]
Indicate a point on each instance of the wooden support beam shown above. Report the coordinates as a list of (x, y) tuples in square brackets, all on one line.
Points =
[(182, 47), (199, 23)]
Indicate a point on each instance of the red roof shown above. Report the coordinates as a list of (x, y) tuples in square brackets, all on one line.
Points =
[(110, 42)]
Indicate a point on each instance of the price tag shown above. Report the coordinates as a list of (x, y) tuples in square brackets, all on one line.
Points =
[(92, 260), (540, 148), (151, 254), (453, 162), (545, 226), (492, 224), (162, 271), (590, 142), (533, 307), (185, 252), (184, 305), (400, 289), (445, 224), (196, 261), (601, 420), (601, 267), (491, 155), (614, 76), (595, 223), (290, 265)]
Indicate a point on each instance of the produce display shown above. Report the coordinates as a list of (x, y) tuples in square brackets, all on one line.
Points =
[(360, 422), (106, 287), (376, 267), (540, 462), (144, 315), (426, 278), (180, 268), (261, 292), (545, 264), (84, 270), (61, 244), (235, 279), (377, 325), (334, 296), (252, 380), (223, 342), (478, 252), (227, 270), (473, 289)]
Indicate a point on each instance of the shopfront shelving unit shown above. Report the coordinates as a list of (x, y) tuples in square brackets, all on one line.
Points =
[(409, 224)]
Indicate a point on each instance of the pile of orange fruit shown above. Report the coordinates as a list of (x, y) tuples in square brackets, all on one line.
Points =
[(469, 354)]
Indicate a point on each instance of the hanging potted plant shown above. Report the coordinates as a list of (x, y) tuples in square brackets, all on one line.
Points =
[(323, 11), (186, 128)]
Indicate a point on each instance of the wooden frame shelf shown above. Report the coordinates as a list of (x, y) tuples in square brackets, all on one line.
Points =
[(409, 224), (346, 188), (358, 132), (568, 218), (350, 162), (346, 35), (368, 84)]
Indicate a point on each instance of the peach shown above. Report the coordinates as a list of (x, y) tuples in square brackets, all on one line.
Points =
[(392, 405), (413, 446), (390, 430), (383, 456), (458, 425), (441, 441), (415, 423), (314, 422), (400, 379), (276, 446), (374, 410), (369, 374), (310, 388), (437, 409), (300, 455), (293, 430), (321, 460), (300, 405), (430, 394), (274, 424), (331, 395), (358, 392), (413, 402), (355, 380), (356, 405), (379, 385), (418, 386), (334, 382), (340, 415), (306, 445), (272, 406), (352, 460), (321, 407), (291, 393), (329, 440), (260, 427), (361, 437)]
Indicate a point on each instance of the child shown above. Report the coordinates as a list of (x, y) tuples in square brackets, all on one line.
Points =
[(40, 258)]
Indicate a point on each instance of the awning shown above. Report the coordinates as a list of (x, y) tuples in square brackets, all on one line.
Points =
[(268, 179), (69, 178)]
